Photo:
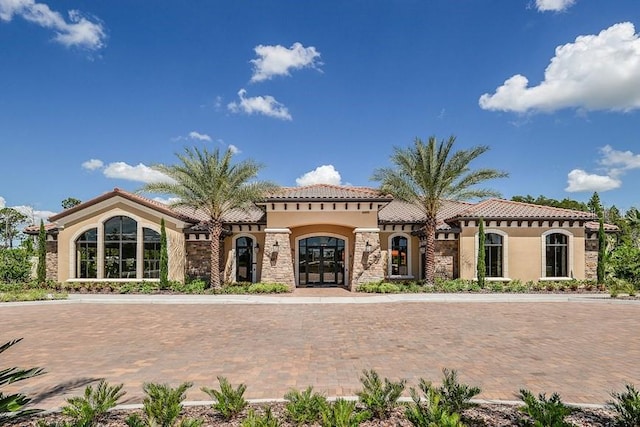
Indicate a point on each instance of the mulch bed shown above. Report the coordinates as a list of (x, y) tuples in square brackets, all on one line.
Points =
[(483, 415)]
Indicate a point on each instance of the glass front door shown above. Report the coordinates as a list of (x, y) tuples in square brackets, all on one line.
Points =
[(321, 261)]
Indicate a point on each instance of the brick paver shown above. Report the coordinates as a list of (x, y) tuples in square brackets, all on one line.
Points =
[(581, 350)]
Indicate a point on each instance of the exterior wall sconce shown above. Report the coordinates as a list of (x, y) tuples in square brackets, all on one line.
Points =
[(367, 247), (423, 249), (276, 247), (257, 247)]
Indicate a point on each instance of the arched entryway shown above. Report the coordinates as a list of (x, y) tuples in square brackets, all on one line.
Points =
[(321, 261), (245, 263)]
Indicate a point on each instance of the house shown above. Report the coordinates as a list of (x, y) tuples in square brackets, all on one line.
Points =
[(319, 235)]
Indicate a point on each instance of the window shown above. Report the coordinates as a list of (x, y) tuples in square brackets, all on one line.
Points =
[(120, 246), (399, 256), (493, 250), (151, 254), (556, 251), (244, 259), (87, 254)]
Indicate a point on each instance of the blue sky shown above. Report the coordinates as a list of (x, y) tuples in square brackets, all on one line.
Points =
[(94, 93)]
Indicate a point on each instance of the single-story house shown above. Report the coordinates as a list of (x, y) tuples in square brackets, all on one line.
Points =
[(319, 235)]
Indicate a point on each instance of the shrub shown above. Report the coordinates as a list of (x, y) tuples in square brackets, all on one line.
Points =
[(627, 407), (343, 413), (496, 286), (12, 405), (162, 406), (15, 265), (196, 286), (378, 397), (90, 409), (265, 420), (305, 407), (370, 287), (429, 411), (617, 286), (267, 288), (229, 402), (544, 412), (456, 396)]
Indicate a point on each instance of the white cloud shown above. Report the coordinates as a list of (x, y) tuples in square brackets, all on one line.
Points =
[(596, 72), (167, 201), (265, 105), (325, 174), (580, 180), (234, 149), (92, 164), (77, 31), (278, 60), (34, 216), (199, 136), (554, 5), (3, 202), (139, 173), (619, 161)]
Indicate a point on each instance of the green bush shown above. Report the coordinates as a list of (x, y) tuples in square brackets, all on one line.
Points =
[(229, 402), (12, 405), (196, 286), (15, 265), (162, 406), (267, 288), (544, 412), (343, 413), (305, 407), (377, 396), (90, 409), (389, 288), (617, 286), (265, 420), (456, 396), (428, 410), (627, 407)]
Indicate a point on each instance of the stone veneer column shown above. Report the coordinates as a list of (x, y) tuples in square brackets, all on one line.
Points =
[(277, 267), (367, 267)]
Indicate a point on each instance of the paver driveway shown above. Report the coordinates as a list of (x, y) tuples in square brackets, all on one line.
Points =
[(581, 350)]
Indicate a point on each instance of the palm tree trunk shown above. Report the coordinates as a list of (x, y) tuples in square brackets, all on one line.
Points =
[(215, 230), (430, 251)]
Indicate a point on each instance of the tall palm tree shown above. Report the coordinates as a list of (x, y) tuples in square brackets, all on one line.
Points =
[(211, 183), (426, 174)]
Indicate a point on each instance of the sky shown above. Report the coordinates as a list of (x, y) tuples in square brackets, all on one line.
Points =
[(93, 94)]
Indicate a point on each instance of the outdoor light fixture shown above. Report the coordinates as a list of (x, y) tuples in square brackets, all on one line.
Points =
[(276, 247), (257, 246), (367, 247), (423, 249)]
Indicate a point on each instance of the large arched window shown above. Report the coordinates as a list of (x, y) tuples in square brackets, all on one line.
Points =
[(87, 255), (151, 254), (493, 255), (557, 255), (399, 256), (120, 248)]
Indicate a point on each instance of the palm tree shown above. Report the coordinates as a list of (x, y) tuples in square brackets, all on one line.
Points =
[(426, 174), (209, 182)]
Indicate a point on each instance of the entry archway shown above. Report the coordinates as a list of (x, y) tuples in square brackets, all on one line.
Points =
[(321, 261)]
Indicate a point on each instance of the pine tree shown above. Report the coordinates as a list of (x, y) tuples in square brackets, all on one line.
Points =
[(42, 255), (164, 257), (481, 266)]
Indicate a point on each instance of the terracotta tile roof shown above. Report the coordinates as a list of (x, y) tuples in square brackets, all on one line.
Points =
[(328, 192), (153, 204), (399, 211), (595, 225), (498, 208), (35, 228)]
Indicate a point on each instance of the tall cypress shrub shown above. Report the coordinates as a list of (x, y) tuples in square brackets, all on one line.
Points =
[(42, 255), (164, 257), (602, 246), (481, 267)]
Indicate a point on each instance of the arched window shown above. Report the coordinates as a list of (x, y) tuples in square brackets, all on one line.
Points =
[(151, 254), (244, 259), (399, 256), (87, 255), (120, 247), (493, 255), (557, 255)]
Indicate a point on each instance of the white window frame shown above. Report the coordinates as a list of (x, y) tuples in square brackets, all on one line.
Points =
[(505, 254), (543, 267), (409, 274)]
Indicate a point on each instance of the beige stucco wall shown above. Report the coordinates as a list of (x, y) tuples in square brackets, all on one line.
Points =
[(524, 257), (96, 217), (292, 219)]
